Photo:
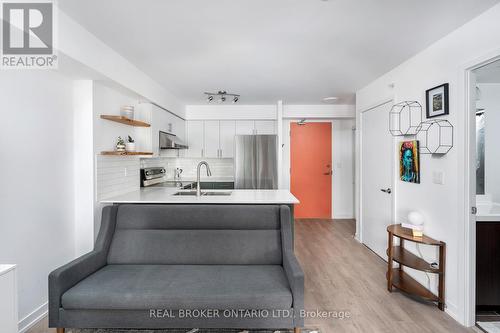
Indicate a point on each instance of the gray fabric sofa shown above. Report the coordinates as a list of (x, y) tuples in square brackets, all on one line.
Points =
[(183, 266)]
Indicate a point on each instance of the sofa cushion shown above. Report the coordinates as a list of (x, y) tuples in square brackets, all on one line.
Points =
[(197, 235), (173, 287)]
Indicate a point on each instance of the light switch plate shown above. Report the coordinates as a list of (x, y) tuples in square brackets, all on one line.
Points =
[(438, 177)]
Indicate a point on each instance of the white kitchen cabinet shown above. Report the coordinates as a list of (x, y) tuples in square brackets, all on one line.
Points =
[(215, 138), (147, 138), (245, 127), (227, 130), (195, 137), (8, 299), (211, 139), (265, 127)]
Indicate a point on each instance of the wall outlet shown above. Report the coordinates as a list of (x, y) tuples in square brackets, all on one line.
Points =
[(438, 177)]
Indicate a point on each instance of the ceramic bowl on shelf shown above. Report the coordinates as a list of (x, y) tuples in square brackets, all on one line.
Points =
[(127, 111)]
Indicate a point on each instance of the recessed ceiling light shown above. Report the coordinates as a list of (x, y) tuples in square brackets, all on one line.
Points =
[(330, 99)]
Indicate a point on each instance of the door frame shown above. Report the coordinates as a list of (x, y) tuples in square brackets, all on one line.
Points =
[(467, 197), (287, 148), (359, 170)]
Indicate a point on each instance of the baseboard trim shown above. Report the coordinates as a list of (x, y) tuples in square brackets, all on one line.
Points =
[(34, 317), (452, 310)]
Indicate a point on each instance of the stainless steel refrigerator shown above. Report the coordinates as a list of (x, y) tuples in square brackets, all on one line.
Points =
[(255, 162)]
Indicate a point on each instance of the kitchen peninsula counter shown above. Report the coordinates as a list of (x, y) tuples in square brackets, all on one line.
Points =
[(161, 195)]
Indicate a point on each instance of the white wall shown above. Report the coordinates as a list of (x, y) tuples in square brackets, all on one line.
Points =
[(36, 173), (107, 101), (490, 101), (343, 164), (343, 168), (230, 111), (79, 44), (319, 111), (242, 111), (442, 205), (84, 162), (113, 175)]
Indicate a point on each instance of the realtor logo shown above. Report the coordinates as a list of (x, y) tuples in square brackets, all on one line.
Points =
[(28, 35)]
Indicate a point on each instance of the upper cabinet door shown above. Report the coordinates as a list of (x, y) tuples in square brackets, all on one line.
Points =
[(194, 134), (227, 132), (211, 137), (265, 127), (245, 127)]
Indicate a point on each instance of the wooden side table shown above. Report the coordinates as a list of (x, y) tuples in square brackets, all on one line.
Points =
[(397, 277)]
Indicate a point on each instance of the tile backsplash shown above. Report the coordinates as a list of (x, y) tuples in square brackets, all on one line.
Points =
[(119, 175), (222, 168), (116, 175)]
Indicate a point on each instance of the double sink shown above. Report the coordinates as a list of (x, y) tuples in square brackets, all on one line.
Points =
[(207, 193)]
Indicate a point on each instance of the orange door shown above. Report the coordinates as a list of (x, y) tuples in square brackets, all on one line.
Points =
[(311, 169)]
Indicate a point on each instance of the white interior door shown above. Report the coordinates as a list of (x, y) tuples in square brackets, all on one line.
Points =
[(376, 178)]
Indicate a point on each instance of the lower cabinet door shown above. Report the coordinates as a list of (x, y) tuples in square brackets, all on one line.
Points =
[(488, 264)]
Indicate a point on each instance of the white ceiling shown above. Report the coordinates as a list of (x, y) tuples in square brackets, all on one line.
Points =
[(296, 50)]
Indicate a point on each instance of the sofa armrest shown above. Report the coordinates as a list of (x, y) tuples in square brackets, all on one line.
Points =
[(295, 277), (292, 268), (67, 276)]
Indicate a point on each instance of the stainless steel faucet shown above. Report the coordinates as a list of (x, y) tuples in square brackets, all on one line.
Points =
[(209, 173)]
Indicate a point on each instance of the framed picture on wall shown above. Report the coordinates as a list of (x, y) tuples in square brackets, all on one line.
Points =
[(409, 162), (437, 101)]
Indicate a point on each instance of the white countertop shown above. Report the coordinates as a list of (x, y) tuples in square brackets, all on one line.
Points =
[(166, 195), (488, 212), (4, 268)]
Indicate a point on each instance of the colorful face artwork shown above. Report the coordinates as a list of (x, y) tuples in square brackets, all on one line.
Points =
[(409, 162)]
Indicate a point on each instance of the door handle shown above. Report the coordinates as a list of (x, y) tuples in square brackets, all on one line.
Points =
[(388, 191), (329, 173)]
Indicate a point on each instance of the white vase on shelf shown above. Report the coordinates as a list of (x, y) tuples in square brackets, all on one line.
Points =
[(130, 146)]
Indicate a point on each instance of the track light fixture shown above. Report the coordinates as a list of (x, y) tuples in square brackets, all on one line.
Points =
[(223, 96)]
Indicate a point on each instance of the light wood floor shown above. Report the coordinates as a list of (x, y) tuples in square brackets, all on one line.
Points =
[(343, 275)]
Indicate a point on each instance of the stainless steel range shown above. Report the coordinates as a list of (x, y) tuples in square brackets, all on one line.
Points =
[(157, 177), (152, 176)]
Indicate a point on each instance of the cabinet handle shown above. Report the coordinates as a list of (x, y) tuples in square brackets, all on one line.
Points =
[(220, 153), (202, 153)]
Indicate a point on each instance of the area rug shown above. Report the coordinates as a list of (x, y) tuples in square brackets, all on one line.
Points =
[(490, 326), (194, 330)]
